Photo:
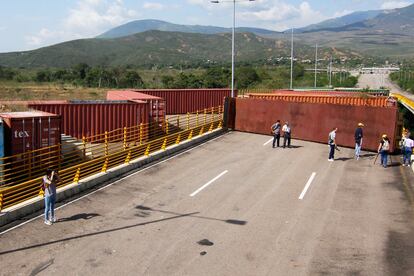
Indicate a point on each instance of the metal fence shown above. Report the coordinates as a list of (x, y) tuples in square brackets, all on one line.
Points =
[(21, 176)]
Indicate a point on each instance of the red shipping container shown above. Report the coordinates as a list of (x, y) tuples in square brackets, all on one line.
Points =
[(27, 131), (157, 111), (313, 122), (89, 118), (181, 101)]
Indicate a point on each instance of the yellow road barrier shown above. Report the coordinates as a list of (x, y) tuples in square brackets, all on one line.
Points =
[(21, 175)]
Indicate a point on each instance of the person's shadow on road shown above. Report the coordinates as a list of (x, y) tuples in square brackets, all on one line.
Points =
[(84, 216)]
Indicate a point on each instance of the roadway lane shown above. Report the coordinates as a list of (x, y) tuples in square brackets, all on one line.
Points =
[(376, 81), (355, 218)]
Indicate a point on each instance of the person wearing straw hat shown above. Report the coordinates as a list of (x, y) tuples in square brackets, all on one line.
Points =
[(359, 134), (383, 149)]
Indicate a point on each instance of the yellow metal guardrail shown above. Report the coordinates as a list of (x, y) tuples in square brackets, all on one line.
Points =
[(404, 100), (22, 175)]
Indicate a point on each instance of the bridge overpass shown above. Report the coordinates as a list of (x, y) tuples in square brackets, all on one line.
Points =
[(232, 206)]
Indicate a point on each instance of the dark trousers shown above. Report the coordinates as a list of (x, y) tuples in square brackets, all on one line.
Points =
[(276, 138), (332, 152), (286, 138)]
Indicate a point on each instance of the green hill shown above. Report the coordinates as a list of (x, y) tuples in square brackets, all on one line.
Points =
[(158, 48)]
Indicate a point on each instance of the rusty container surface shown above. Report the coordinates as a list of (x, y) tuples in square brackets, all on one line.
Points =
[(313, 122), (89, 118), (157, 104), (322, 92), (28, 131), (181, 101), (357, 101)]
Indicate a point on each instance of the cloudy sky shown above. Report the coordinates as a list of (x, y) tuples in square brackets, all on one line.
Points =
[(29, 24)]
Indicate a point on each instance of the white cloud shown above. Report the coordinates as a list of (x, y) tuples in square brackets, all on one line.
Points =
[(89, 18), (387, 5), (42, 36), (153, 6), (279, 15), (342, 13)]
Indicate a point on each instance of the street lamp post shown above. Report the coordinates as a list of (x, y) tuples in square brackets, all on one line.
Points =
[(291, 62), (232, 38), (316, 63)]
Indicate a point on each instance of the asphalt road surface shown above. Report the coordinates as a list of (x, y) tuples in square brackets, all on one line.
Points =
[(376, 81), (233, 206)]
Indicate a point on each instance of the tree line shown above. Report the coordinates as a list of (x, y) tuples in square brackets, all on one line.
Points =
[(213, 77)]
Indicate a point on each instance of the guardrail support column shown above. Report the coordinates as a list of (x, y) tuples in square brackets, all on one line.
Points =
[(77, 175), (84, 147), (125, 138), (141, 133), (106, 144), (105, 165), (147, 150)]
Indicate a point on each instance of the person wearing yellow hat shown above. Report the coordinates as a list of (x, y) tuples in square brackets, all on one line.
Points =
[(359, 134), (383, 149)]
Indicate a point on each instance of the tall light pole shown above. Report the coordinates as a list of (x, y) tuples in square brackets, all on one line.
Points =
[(291, 62), (232, 37), (330, 73), (316, 63)]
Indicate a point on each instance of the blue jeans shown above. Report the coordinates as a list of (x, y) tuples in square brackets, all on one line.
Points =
[(384, 158), (332, 152), (357, 150), (276, 138), (407, 156), (50, 207)]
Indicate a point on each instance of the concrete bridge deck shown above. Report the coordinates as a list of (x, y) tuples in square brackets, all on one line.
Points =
[(354, 217)]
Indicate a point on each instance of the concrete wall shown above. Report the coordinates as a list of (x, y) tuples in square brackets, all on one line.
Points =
[(313, 122)]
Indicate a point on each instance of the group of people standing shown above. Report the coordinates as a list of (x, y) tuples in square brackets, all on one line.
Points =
[(407, 143), (277, 130)]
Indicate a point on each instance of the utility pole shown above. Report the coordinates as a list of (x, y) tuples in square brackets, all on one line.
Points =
[(232, 48), (291, 62), (316, 64), (330, 73)]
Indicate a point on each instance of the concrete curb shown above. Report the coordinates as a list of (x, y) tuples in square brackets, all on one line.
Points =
[(33, 205)]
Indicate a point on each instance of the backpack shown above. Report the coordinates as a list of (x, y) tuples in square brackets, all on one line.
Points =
[(386, 145)]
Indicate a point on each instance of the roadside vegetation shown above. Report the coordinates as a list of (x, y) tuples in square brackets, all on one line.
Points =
[(85, 82), (405, 79)]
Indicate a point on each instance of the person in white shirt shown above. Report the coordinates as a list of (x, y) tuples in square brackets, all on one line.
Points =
[(408, 146), (332, 144), (287, 132)]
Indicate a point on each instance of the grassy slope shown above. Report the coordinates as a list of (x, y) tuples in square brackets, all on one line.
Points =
[(156, 47)]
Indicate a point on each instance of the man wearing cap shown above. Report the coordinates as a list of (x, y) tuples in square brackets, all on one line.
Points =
[(359, 134)]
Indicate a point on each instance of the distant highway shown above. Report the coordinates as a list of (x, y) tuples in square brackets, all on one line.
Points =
[(376, 81)]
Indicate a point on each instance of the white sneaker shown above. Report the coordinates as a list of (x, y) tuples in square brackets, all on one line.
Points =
[(330, 160), (54, 219), (48, 222)]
